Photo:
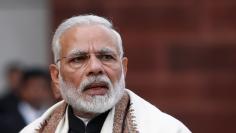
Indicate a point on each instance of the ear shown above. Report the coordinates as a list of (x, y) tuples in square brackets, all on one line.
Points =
[(54, 71), (125, 65), (56, 92)]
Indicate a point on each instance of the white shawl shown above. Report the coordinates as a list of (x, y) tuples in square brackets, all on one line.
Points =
[(147, 119)]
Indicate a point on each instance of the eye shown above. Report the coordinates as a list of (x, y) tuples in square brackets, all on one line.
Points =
[(78, 59), (106, 57)]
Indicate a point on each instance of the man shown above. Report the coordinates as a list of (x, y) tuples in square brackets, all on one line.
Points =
[(35, 93), (13, 76), (34, 99), (90, 72), (9, 102)]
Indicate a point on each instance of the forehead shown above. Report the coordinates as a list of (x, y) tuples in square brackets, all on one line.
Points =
[(87, 38)]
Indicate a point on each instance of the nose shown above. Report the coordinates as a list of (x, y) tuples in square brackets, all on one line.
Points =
[(95, 66)]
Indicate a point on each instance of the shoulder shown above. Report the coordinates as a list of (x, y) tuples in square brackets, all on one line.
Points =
[(150, 119), (35, 125), (8, 103)]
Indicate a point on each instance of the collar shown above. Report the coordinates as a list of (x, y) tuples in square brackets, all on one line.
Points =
[(77, 125)]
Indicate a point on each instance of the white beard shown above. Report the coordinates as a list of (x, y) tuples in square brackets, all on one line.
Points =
[(92, 104)]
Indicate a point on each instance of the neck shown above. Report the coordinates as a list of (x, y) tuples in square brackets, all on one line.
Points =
[(82, 114)]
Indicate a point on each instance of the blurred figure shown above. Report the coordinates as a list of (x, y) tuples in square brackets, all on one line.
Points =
[(35, 93), (35, 97), (13, 74)]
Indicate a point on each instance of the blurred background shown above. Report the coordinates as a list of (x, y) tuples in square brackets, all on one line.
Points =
[(182, 53)]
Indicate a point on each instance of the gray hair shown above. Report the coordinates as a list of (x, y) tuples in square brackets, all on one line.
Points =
[(82, 20)]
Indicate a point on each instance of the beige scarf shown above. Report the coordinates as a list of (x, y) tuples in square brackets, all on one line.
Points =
[(123, 118)]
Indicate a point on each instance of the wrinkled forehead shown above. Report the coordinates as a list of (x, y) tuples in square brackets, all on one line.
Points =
[(88, 38)]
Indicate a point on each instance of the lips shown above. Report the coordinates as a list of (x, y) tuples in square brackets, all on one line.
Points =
[(98, 88)]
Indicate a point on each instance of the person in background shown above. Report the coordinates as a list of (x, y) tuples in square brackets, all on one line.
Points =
[(13, 75), (35, 93), (35, 97)]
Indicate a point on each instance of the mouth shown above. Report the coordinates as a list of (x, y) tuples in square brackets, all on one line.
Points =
[(98, 88)]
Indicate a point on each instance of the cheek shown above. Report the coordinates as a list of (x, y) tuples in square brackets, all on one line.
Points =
[(114, 73), (73, 77)]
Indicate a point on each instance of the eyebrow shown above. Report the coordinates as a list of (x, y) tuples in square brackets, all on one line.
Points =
[(107, 51), (78, 52)]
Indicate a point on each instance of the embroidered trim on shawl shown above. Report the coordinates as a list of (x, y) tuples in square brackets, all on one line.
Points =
[(124, 120), (130, 121), (50, 125)]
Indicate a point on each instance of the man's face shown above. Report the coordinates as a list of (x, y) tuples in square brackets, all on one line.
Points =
[(36, 91), (88, 52)]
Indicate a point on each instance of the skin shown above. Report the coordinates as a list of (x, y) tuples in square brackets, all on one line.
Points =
[(36, 92), (90, 39), (14, 80)]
